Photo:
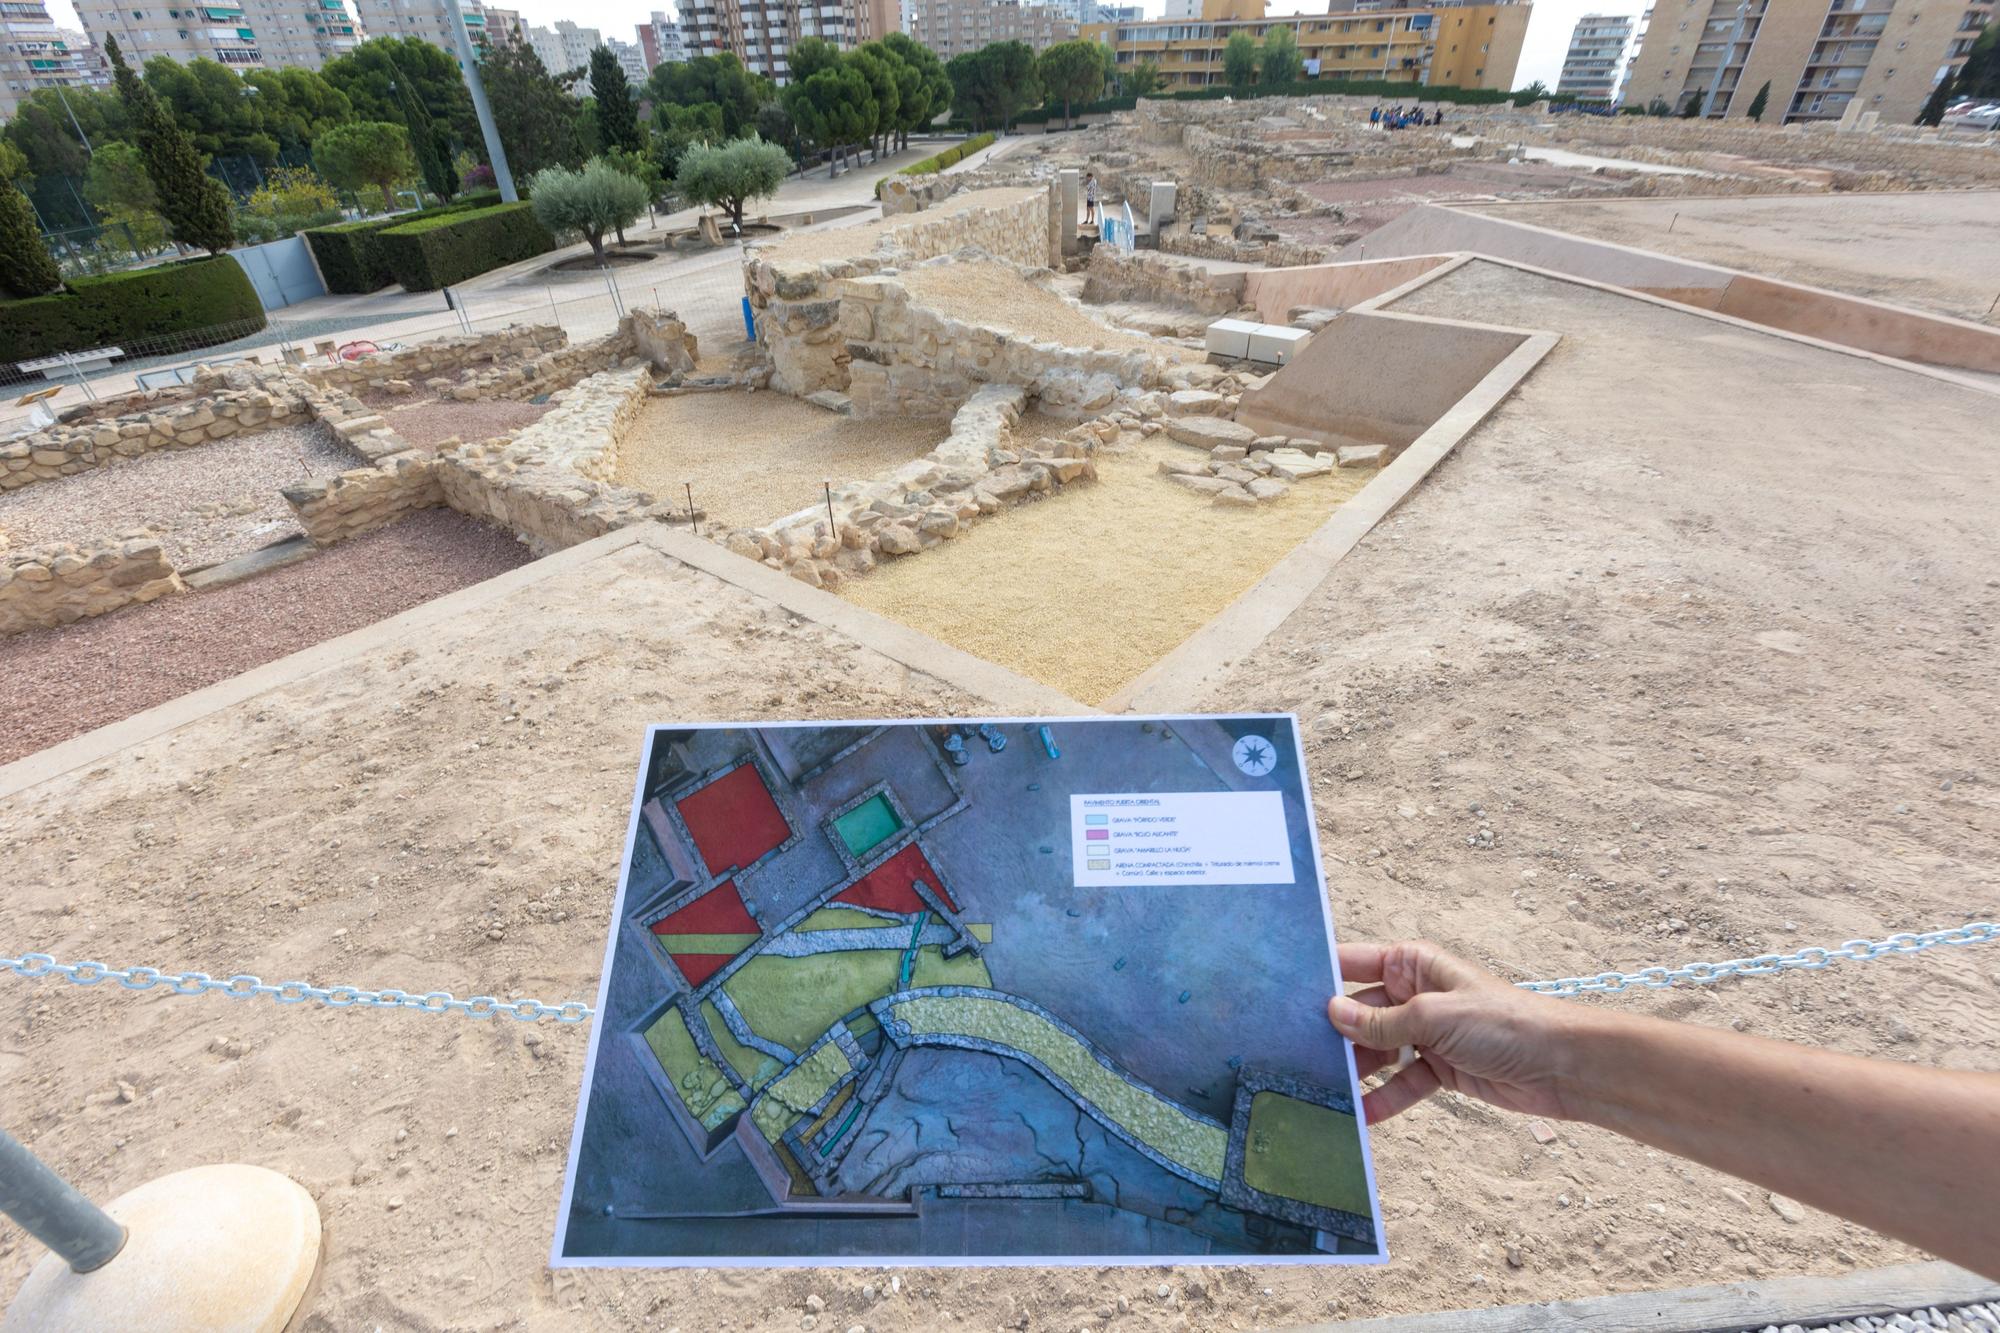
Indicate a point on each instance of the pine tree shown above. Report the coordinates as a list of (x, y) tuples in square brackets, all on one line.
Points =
[(1759, 102), (617, 119), (25, 266), (196, 206)]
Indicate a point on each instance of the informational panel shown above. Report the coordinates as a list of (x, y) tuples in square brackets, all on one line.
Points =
[(992, 991)]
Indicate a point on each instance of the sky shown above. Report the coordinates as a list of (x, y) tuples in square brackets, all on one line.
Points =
[(1541, 56)]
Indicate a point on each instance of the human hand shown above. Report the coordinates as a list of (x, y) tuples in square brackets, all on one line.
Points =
[(1472, 1032)]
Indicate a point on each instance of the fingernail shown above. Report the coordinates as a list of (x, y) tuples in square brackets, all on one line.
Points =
[(1346, 1013)]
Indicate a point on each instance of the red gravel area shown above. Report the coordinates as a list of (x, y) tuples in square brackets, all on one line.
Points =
[(66, 681), (427, 423)]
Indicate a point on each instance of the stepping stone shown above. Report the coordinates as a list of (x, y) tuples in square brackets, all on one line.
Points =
[(1208, 432), (1363, 455)]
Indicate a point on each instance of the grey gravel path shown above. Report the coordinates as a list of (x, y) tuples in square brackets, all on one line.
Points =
[(1964, 1319)]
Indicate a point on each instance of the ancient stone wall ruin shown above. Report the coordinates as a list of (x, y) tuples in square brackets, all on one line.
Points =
[(1113, 275), (54, 585), (439, 356), (65, 449)]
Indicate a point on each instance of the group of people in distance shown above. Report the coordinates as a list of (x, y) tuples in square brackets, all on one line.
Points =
[(1397, 117)]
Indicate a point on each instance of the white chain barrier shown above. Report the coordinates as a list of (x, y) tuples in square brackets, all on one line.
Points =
[(243, 986)]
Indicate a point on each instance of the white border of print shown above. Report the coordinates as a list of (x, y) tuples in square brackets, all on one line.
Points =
[(556, 1258)]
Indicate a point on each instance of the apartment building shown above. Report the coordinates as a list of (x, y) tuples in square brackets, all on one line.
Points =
[(1596, 57), (1442, 44), (660, 41), (630, 58), (1824, 59), (1182, 9), (244, 34), (760, 33), (505, 27), (565, 46), (954, 27), (35, 53), (431, 21)]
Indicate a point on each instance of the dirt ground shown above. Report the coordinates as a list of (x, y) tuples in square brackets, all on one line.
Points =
[(1882, 246), (755, 457), (1145, 564), (65, 681), (1714, 671), (429, 423), (996, 296)]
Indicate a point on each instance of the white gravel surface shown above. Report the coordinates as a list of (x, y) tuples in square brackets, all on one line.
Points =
[(207, 503)]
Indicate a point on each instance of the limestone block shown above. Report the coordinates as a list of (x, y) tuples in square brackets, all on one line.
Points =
[(1228, 453), (1266, 488), (1363, 455), (1206, 485), (1208, 432), (1194, 402), (1183, 467), (1237, 497), (898, 539)]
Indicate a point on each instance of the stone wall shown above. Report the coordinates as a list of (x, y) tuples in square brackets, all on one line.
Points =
[(55, 585), (332, 509), (64, 449), (1113, 275), (439, 356)]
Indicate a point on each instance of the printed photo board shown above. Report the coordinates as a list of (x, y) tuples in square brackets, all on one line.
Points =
[(1010, 991)]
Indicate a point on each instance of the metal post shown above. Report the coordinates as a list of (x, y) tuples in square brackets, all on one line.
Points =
[(693, 522), (832, 524), (45, 1206), (1722, 65), (617, 302), (88, 150), (554, 314), (495, 154)]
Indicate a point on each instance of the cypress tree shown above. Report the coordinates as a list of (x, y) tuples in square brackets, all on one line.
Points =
[(196, 206), (1759, 102), (25, 266), (617, 119)]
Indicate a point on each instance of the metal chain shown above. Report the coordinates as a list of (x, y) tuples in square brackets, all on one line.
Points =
[(1764, 964), (243, 986)]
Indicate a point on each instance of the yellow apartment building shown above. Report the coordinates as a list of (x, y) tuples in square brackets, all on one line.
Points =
[(1460, 45)]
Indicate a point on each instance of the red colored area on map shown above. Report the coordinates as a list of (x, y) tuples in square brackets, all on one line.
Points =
[(887, 887), (720, 911), (734, 820), (699, 967)]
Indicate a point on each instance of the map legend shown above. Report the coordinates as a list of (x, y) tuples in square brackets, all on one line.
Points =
[(1139, 838)]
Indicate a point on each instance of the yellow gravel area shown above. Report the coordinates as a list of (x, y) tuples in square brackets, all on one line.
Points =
[(998, 297), (1086, 589), (809, 247), (755, 457)]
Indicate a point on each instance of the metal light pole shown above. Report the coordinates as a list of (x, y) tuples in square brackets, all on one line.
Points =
[(495, 154), (53, 1213), (1728, 54), (73, 121)]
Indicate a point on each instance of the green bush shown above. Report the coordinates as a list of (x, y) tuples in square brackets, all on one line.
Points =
[(433, 252), (211, 295), (939, 161), (348, 256)]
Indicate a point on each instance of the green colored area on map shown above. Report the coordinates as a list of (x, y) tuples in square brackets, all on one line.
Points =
[(702, 1087), (1148, 1117), (752, 1066), (844, 918), (868, 825), (729, 944), (794, 1095), (792, 1001), (1297, 1150)]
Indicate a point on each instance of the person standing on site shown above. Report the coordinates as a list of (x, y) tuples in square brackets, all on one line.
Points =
[(1374, 115), (1089, 198)]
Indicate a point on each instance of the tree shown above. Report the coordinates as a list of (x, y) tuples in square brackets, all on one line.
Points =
[(1979, 76), (1281, 64), (994, 84), (1142, 80), (681, 127), (1239, 62), (643, 167), (298, 105), (719, 80), (195, 204), (878, 66), (26, 268), (1934, 106), (593, 201), (532, 110), (729, 176), (1533, 93), (924, 96), (290, 200), (366, 152), (617, 118), (1691, 109), (376, 76), (213, 105), (1759, 102), (122, 193), (1658, 107), (832, 110), (42, 129), (1072, 71), (773, 125)]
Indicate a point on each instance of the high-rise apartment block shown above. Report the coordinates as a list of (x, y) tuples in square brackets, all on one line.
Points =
[(1824, 59), (244, 34), (630, 58), (564, 47), (954, 27), (430, 20), (35, 53), (1596, 58), (761, 33), (660, 40)]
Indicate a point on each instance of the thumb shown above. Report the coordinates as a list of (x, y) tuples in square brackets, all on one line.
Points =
[(1382, 1028)]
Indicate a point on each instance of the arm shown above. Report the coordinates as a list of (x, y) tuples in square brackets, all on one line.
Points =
[(1912, 1152)]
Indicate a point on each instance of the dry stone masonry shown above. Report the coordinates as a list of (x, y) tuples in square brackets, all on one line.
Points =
[(55, 585)]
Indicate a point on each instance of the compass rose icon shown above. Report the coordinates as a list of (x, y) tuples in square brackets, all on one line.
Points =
[(1255, 756)]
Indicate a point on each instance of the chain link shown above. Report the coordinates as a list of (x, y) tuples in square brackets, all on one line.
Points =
[(244, 986), (1765, 964)]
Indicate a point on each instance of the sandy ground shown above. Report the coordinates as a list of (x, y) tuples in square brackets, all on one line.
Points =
[(63, 682), (755, 457), (996, 296), (207, 503), (430, 423), (1934, 251), (861, 239), (1144, 564)]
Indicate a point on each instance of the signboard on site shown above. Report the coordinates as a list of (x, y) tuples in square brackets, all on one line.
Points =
[(993, 991)]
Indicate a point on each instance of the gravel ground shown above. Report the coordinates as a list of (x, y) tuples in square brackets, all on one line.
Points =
[(1969, 1318), (999, 298), (207, 503), (427, 423), (64, 682), (1087, 589), (754, 457)]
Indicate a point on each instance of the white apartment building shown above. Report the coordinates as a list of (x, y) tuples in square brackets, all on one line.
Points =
[(954, 27), (426, 19), (1595, 64), (660, 41), (630, 59), (564, 47), (244, 34), (760, 33), (35, 53), (1183, 9)]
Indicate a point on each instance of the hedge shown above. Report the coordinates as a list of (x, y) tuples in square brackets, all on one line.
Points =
[(205, 301), (348, 257), (435, 252), (939, 161)]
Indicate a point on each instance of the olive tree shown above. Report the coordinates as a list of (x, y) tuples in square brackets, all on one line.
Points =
[(728, 176), (594, 200)]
